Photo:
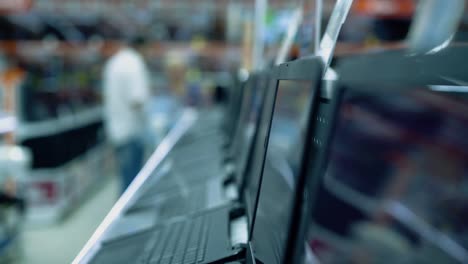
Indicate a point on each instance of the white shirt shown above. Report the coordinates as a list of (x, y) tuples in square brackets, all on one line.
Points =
[(126, 85)]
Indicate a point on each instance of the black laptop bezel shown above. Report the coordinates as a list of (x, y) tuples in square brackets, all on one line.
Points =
[(233, 111), (243, 174), (257, 155), (308, 69), (251, 83)]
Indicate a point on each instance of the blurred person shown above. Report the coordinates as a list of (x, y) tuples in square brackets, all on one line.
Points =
[(126, 92)]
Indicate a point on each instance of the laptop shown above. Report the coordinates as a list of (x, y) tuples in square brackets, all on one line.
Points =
[(185, 162), (292, 148), (393, 186), (204, 237), (180, 196), (188, 191)]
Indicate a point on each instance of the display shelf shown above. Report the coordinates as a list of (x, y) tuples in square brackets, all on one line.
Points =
[(60, 124)]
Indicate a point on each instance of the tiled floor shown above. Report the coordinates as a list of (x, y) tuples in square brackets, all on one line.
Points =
[(60, 243)]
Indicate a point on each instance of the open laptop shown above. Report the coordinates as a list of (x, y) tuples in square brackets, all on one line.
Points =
[(292, 148), (204, 237), (183, 167), (204, 188), (394, 181), (202, 193)]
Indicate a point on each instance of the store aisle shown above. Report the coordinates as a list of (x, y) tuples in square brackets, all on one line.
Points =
[(60, 243)]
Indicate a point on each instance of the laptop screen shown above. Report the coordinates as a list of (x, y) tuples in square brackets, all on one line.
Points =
[(397, 179), (233, 107), (249, 117), (284, 148)]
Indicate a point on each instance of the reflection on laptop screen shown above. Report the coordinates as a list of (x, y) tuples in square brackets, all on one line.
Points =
[(283, 151), (401, 160)]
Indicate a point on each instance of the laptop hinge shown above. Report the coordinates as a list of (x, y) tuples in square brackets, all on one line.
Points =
[(237, 210), (229, 179), (229, 176), (239, 254)]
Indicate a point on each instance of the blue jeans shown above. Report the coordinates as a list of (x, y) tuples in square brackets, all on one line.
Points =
[(130, 160)]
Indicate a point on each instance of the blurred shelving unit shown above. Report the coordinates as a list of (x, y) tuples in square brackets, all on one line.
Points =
[(57, 102), (58, 125), (52, 108), (69, 153)]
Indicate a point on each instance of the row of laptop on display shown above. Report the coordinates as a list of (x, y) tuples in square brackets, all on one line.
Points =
[(368, 168)]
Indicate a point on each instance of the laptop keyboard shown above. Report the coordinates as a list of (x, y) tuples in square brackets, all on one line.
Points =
[(179, 243), (177, 206)]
